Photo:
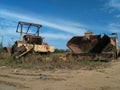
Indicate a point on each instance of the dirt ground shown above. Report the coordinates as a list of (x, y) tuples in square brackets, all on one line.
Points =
[(28, 79)]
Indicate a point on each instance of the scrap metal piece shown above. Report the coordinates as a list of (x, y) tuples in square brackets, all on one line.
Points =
[(91, 44)]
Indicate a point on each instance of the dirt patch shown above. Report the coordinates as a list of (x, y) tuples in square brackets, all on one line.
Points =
[(4, 85), (102, 78)]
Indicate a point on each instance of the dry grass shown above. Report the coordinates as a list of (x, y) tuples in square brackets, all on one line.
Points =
[(51, 62)]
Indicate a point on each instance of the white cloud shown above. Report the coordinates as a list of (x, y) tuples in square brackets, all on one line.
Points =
[(117, 16), (65, 28), (114, 4), (8, 31), (55, 36), (114, 27), (71, 27)]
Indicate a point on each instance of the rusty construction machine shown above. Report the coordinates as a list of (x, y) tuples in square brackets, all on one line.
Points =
[(29, 42), (87, 47), (95, 47)]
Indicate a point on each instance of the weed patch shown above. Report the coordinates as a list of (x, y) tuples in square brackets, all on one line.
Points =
[(51, 62)]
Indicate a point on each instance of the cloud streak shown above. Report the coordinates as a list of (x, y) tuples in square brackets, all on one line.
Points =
[(114, 4), (55, 36), (64, 29), (114, 27), (64, 26)]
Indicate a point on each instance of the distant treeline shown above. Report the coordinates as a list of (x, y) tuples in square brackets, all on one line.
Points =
[(61, 50)]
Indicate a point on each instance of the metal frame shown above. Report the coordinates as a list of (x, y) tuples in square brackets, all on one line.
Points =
[(21, 23)]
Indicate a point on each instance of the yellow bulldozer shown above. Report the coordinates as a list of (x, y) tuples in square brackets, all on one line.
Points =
[(29, 41)]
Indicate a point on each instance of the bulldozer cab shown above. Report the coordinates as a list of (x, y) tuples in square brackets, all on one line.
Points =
[(25, 28), (30, 36)]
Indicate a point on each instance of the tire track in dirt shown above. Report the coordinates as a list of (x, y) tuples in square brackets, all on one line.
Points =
[(14, 84)]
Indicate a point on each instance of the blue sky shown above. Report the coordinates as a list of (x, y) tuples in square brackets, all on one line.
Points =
[(61, 19)]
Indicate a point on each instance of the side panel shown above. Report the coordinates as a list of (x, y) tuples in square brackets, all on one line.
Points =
[(82, 44), (37, 48)]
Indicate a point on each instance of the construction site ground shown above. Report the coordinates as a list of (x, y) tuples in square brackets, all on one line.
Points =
[(61, 79)]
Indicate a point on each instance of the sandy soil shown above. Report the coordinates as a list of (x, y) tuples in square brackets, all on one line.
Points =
[(24, 79)]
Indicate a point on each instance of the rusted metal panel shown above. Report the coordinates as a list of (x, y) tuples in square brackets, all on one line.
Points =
[(20, 42), (33, 39), (21, 49), (92, 44), (83, 44)]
